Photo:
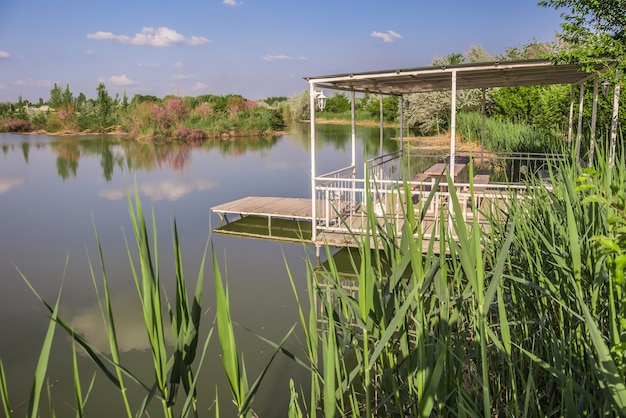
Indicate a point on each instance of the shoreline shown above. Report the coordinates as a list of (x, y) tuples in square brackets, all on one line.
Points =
[(224, 136)]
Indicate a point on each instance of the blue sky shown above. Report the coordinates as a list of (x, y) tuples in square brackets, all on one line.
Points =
[(250, 47)]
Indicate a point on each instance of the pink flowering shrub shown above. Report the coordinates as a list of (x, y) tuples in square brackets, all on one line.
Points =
[(234, 105), (203, 110), (189, 135), (14, 125), (170, 113)]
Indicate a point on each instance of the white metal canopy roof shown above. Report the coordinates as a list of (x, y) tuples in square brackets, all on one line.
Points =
[(468, 76)]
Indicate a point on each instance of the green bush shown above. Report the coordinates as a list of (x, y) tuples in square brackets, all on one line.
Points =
[(505, 136)]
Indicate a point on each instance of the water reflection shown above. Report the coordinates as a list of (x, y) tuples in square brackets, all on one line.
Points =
[(128, 155), (129, 326), (52, 189), (168, 189), (339, 135), (8, 183), (125, 154)]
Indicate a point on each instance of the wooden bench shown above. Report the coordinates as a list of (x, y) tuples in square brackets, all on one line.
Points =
[(481, 179), (439, 168), (420, 178)]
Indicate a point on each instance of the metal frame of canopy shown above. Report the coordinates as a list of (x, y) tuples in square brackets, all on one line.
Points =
[(399, 82)]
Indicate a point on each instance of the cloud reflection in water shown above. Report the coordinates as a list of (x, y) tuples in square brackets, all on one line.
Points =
[(8, 183), (160, 190), (129, 325)]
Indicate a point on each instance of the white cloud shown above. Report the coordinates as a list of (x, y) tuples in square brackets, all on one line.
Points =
[(281, 57), (199, 86), (183, 76), (121, 80), (158, 37), (178, 65), (141, 64), (4, 54), (2, 87), (88, 52), (231, 2), (33, 83), (388, 36)]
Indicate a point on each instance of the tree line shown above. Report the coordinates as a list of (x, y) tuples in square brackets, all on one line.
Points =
[(145, 117)]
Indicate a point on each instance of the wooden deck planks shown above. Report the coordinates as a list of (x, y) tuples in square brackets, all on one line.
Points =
[(299, 208)]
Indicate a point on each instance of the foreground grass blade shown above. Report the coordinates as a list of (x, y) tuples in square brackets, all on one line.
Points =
[(230, 356), (4, 392), (44, 356)]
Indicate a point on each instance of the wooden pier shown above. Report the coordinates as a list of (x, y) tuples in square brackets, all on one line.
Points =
[(274, 218), (290, 220), (271, 207)]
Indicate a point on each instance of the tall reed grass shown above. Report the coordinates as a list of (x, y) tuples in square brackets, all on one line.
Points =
[(506, 136), (525, 318)]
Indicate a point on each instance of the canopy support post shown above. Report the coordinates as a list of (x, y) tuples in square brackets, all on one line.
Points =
[(482, 129), (453, 125), (380, 105), (401, 98), (570, 120), (353, 129), (616, 94), (594, 121), (579, 132), (313, 174)]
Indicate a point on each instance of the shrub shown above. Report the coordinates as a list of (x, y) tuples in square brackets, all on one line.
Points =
[(189, 135), (14, 125)]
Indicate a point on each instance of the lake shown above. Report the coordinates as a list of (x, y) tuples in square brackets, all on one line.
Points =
[(55, 190)]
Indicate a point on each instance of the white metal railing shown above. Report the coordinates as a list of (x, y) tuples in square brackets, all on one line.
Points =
[(385, 167), (341, 197), (336, 195)]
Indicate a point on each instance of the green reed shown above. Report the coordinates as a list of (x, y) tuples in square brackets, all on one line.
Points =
[(523, 318), (506, 136)]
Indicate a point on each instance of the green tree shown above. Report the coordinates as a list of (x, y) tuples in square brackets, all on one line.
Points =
[(124, 101), (370, 103), (531, 50), (299, 108), (56, 97), (595, 31), (80, 102), (337, 103), (67, 97), (139, 98), (104, 108), (275, 100), (545, 106), (21, 108), (429, 112)]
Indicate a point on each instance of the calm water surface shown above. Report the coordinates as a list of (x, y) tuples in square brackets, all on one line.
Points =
[(55, 190)]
